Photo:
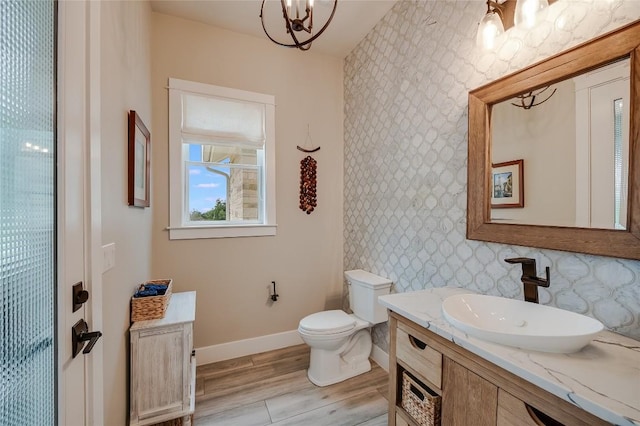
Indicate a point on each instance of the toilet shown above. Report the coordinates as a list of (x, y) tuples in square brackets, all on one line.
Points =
[(340, 342)]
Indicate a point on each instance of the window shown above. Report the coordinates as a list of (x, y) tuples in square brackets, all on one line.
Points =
[(221, 161)]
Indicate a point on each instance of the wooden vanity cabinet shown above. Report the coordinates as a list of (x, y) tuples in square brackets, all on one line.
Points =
[(473, 391)]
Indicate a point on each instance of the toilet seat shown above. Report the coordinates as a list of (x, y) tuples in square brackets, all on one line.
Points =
[(327, 322)]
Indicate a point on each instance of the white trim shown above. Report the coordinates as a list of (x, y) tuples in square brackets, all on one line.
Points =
[(221, 92), (245, 347), (187, 233), (177, 188), (380, 357), (78, 125), (93, 215), (72, 133)]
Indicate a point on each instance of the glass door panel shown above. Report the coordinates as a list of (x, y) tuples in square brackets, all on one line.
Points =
[(27, 212)]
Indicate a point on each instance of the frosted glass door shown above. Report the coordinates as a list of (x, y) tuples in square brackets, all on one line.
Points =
[(27, 212)]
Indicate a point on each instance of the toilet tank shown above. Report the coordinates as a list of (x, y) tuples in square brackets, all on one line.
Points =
[(364, 289)]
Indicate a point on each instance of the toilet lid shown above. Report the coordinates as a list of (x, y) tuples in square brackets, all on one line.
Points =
[(327, 322)]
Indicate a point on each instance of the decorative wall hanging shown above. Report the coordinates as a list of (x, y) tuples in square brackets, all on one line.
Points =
[(308, 178), (139, 161)]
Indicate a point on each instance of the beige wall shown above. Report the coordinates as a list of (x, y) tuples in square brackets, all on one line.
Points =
[(232, 276), (545, 138), (125, 70)]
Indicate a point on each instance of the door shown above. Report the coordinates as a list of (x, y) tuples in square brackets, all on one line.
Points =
[(79, 382), (42, 212), (602, 146), (609, 154)]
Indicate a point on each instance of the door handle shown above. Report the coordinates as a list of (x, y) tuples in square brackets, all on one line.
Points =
[(80, 334)]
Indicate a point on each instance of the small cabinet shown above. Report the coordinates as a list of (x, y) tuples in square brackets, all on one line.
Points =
[(162, 365)]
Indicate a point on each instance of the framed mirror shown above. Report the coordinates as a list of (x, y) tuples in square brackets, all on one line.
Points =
[(533, 139)]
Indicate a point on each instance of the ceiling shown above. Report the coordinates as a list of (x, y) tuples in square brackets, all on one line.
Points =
[(352, 21)]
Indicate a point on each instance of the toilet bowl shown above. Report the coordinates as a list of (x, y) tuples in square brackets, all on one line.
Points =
[(341, 343)]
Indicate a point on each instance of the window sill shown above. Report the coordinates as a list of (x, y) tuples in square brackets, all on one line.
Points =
[(201, 232)]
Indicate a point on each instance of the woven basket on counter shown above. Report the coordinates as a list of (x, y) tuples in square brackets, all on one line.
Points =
[(151, 307), (420, 402)]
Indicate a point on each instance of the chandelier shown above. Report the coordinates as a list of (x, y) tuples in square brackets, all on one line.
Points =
[(298, 17)]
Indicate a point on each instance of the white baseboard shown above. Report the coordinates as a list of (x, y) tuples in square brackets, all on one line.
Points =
[(245, 347), (380, 357), (256, 345)]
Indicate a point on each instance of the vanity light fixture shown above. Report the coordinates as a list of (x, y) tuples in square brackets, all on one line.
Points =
[(528, 12), (491, 27), (503, 14), (298, 17)]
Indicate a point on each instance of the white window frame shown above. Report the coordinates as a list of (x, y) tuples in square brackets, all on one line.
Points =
[(179, 227)]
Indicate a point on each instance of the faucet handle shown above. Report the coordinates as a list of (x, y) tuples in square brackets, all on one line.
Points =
[(523, 260), (528, 266), (547, 281)]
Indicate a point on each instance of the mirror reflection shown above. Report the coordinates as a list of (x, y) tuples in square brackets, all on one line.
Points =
[(560, 154)]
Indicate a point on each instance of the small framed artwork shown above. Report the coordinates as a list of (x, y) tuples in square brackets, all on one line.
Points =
[(507, 180), (139, 161)]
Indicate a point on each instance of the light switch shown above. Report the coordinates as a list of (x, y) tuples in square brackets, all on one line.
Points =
[(108, 257)]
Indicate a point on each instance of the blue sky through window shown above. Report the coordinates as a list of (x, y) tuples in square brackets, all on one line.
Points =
[(205, 187)]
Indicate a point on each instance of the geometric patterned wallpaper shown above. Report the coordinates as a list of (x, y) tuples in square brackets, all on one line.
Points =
[(405, 157)]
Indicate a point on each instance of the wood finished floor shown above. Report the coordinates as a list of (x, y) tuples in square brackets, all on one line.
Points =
[(272, 388)]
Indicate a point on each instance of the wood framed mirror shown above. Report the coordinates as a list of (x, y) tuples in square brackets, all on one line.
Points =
[(585, 58)]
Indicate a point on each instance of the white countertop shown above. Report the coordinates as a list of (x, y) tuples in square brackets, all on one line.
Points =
[(181, 309), (602, 379)]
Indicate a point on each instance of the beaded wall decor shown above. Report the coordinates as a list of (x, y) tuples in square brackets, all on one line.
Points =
[(308, 179)]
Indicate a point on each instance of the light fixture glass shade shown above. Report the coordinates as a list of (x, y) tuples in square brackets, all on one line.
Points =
[(528, 12), (489, 30)]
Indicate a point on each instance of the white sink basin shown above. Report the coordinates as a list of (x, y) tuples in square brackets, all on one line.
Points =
[(521, 324)]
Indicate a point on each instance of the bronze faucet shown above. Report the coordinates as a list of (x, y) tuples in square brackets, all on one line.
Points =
[(529, 279)]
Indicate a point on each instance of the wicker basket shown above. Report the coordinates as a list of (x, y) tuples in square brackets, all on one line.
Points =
[(420, 402), (151, 307)]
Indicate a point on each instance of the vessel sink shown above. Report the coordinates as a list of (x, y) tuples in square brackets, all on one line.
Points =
[(521, 324)]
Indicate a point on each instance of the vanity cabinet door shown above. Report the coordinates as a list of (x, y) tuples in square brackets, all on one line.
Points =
[(513, 412), (467, 399), (160, 371)]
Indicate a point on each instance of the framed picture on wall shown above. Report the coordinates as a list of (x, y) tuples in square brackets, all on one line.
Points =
[(507, 180), (139, 161)]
